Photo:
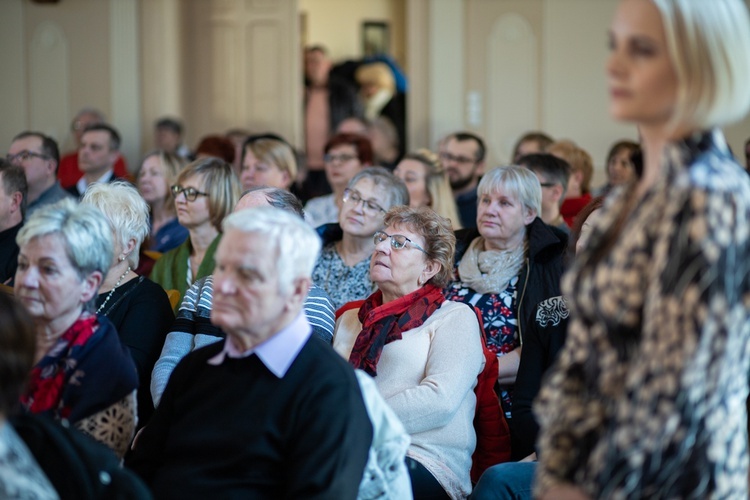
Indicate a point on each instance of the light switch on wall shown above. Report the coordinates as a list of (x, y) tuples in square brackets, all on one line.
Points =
[(474, 108)]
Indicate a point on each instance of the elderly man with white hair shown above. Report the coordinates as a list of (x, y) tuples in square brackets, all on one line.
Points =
[(269, 412)]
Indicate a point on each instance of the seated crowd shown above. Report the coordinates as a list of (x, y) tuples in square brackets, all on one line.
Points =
[(409, 333), (390, 254)]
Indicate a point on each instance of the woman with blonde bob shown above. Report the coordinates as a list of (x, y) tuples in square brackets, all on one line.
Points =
[(428, 184), (647, 399), (426, 351), (205, 192), (267, 161)]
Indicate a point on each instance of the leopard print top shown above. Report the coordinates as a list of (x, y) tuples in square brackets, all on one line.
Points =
[(647, 399)]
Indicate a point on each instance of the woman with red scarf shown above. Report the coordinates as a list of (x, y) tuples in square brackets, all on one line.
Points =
[(82, 373), (424, 352)]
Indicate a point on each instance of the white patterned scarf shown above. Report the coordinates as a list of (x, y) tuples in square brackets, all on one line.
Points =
[(490, 271)]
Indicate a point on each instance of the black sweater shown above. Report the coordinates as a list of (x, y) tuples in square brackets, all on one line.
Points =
[(237, 431)]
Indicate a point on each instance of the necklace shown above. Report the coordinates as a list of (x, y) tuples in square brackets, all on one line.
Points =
[(109, 295)]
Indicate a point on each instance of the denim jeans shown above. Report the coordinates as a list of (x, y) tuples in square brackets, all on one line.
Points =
[(508, 481)]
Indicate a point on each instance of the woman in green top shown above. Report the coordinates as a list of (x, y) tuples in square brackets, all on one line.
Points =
[(206, 192)]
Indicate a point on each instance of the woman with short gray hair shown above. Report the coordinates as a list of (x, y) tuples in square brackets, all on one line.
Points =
[(508, 264), (137, 307), (82, 371), (343, 268)]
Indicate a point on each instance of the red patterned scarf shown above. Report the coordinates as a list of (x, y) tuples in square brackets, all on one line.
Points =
[(384, 323), (58, 368)]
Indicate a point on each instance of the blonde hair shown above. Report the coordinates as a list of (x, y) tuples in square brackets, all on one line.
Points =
[(377, 74), (171, 165), (709, 47), (578, 159), (221, 184), (437, 185), (518, 181), (276, 153), (125, 210)]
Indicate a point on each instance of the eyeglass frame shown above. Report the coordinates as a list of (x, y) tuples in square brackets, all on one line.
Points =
[(462, 160), (370, 205), (392, 237), (176, 190), (29, 154)]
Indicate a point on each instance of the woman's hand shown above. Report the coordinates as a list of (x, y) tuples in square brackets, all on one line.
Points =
[(564, 492), (507, 367)]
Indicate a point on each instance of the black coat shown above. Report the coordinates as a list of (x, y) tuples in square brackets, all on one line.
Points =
[(540, 276)]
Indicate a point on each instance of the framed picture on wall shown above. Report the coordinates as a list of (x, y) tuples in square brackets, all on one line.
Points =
[(375, 38)]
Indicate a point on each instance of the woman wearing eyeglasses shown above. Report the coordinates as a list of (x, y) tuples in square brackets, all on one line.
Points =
[(205, 192), (507, 265), (343, 267), (425, 352), (345, 155)]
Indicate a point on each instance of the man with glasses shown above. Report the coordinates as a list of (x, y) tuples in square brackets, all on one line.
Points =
[(69, 171), (39, 157), (462, 155), (100, 148), (553, 174)]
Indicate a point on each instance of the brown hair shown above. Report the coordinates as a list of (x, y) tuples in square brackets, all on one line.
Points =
[(219, 182), (17, 349), (361, 144), (439, 239), (578, 159)]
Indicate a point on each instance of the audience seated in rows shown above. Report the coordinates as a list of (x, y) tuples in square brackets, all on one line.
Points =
[(97, 155), (193, 329), (269, 412), (553, 174), (578, 193), (268, 160)]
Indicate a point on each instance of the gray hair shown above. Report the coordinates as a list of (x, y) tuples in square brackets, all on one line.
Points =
[(126, 211), (279, 198), (295, 244), (519, 182), (392, 186), (85, 232)]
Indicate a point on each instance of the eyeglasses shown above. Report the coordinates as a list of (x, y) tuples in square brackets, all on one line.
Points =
[(547, 184), (25, 155), (447, 157), (191, 194), (368, 206), (338, 158), (398, 241)]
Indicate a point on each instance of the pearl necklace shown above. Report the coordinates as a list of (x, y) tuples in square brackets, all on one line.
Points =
[(109, 296)]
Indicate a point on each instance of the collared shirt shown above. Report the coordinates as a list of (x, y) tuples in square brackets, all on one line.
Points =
[(278, 352), (81, 185)]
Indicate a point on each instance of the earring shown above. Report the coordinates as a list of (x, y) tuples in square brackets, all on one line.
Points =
[(419, 281), (121, 258)]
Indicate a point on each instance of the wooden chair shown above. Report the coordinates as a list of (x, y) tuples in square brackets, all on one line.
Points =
[(174, 297), (8, 290), (153, 254)]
